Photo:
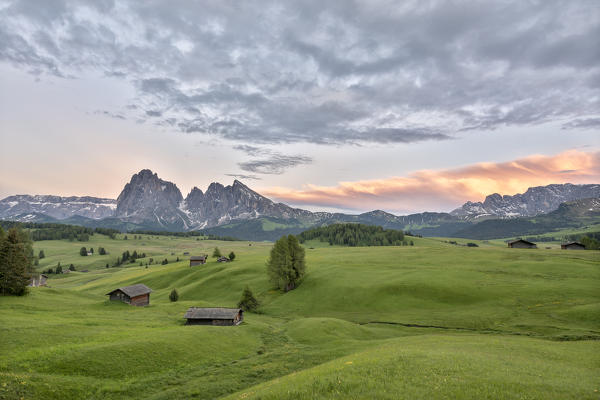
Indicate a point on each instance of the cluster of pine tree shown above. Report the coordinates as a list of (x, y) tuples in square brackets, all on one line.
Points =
[(590, 243), (354, 235), (188, 234), (16, 255), (129, 257), (50, 231)]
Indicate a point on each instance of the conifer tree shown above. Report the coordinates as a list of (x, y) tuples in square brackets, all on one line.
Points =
[(248, 302), (232, 256), (83, 251), (286, 265), (174, 296), (41, 254), (15, 262), (216, 253)]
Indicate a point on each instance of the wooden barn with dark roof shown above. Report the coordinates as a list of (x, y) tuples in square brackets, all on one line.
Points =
[(135, 295), (521, 244), (572, 246), (214, 316), (198, 260)]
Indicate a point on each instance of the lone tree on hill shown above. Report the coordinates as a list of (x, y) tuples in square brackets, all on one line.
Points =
[(286, 265), (248, 302), (174, 296), (231, 256), (217, 253), (41, 255), (15, 262), (83, 251), (101, 251)]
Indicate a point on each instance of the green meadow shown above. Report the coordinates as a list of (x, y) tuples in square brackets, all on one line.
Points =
[(431, 321)]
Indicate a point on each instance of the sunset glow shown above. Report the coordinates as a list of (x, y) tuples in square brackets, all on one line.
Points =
[(446, 189)]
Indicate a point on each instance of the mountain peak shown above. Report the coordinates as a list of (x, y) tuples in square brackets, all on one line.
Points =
[(148, 198)]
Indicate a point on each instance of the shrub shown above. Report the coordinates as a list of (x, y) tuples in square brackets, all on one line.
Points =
[(174, 296), (83, 252), (248, 302)]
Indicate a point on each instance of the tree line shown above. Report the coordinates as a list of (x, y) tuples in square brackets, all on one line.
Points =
[(351, 234), (39, 231), (187, 234)]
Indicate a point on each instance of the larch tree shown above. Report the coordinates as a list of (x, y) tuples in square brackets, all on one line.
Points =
[(15, 262), (286, 266)]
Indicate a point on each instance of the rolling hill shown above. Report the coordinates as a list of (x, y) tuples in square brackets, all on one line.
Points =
[(434, 320)]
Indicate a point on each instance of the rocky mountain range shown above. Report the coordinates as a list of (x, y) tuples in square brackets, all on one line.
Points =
[(536, 200), (56, 206), (148, 202)]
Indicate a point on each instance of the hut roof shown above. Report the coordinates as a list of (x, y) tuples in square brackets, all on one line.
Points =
[(211, 313), (133, 290), (520, 240), (571, 243), (197, 258)]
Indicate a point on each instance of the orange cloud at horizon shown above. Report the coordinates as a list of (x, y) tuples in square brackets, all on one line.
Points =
[(445, 189)]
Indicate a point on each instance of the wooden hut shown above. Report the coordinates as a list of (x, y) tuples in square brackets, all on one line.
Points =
[(223, 259), (572, 246), (521, 244), (38, 280), (214, 316), (198, 260), (136, 295)]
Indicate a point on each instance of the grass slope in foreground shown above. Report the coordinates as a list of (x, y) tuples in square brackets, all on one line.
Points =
[(494, 323)]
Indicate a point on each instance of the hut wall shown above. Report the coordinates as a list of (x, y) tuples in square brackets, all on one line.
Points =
[(142, 300), (573, 247), (222, 322), (214, 322), (521, 245), (120, 296), (194, 263)]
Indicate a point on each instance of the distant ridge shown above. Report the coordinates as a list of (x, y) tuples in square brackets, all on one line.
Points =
[(536, 200), (150, 203)]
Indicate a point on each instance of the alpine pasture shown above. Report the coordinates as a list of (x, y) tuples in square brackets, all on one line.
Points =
[(433, 320)]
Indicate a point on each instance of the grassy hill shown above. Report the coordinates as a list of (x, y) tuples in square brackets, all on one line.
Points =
[(433, 320)]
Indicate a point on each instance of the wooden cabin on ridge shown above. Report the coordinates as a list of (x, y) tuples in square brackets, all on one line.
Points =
[(521, 244), (572, 246), (214, 316), (135, 295), (198, 260)]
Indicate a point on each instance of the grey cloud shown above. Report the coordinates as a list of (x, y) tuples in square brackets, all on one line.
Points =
[(110, 114), (245, 177), (326, 73), (274, 164), (269, 161), (584, 123)]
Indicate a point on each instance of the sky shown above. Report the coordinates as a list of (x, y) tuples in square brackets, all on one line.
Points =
[(350, 106)]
